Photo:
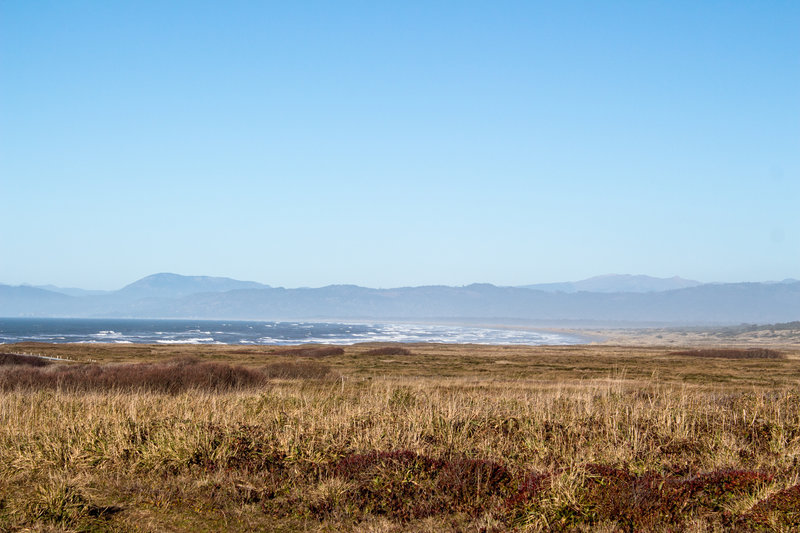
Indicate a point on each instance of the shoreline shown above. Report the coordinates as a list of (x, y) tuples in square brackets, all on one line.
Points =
[(233, 332), (203, 332)]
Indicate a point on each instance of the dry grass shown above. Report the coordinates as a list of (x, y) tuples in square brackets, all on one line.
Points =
[(451, 439), (743, 336), (297, 370)]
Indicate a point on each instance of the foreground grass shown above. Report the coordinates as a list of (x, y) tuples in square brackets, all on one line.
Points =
[(442, 439)]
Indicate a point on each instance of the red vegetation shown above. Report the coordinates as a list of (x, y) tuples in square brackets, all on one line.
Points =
[(404, 485), (732, 353), (171, 377), (784, 506), (17, 359), (532, 486), (310, 351), (640, 502), (388, 350)]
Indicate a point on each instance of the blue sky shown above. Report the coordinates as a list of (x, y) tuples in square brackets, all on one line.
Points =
[(310, 143)]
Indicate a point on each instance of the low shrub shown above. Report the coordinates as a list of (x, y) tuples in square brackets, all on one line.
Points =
[(18, 359), (388, 350), (405, 485), (310, 351), (171, 376), (732, 353), (636, 502), (782, 509)]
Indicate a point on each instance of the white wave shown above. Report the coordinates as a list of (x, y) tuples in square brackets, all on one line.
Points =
[(193, 340), (282, 333)]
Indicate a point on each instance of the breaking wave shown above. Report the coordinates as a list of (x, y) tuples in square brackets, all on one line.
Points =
[(253, 332)]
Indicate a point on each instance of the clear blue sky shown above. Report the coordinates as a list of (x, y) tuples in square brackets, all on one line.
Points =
[(310, 143)]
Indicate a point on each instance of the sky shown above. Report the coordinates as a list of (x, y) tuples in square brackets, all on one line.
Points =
[(396, 144)]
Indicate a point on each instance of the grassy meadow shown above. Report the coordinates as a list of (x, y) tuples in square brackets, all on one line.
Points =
[(385, 438)]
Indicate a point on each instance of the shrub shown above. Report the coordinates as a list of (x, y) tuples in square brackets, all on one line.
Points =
[(780, 509), (388, 350), (310, 351), (171, 376), (635, 502), (17, 359), (732, 353), (405, 485)]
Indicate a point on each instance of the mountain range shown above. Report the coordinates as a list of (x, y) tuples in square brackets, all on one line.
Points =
[(603, 299), (617, 283)]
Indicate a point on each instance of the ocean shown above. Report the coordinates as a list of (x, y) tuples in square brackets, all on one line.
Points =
[(123, 331)]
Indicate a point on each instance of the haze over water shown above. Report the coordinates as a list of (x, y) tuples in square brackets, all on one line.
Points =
[(123, 331)]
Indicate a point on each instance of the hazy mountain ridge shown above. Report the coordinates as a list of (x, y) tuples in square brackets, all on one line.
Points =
[(70, 291), (168, 285), (24, 300), (617, 283), (173, 296)]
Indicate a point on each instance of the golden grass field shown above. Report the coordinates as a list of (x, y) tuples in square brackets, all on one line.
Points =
[(601, 437)]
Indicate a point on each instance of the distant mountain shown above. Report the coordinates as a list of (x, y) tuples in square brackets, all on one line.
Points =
[(173, 296), (617, 283), (166, 285), (706, 304), (30, 301), (71, 291)]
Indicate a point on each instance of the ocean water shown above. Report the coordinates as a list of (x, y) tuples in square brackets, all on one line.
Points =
[(63, 330)]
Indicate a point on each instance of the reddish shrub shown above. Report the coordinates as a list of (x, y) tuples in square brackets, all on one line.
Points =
[(732, 353), (172, 377), (388, 350), (297, 370), (650, 501), (719, 482), (785, 504), (354, 465), (17, 359), (531, 487), (405, 485), (469, 484), (310, 351)]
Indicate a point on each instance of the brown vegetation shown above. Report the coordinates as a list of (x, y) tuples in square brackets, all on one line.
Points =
[(19, 359), (780, 511), (452, 439), (171, 376), (297, 370), (310, 351), (745, 335), (732, 353), (388, 350)]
